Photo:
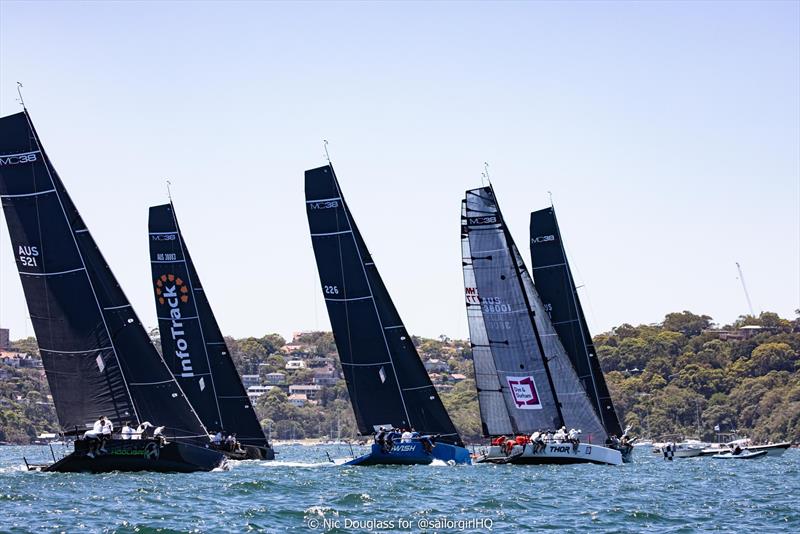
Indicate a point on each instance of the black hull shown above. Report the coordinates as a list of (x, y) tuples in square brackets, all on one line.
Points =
[(138, 455), (250, 452)]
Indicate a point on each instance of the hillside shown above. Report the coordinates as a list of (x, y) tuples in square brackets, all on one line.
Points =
[(682, 376)]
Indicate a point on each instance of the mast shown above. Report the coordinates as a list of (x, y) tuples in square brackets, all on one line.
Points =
[(518, 274)]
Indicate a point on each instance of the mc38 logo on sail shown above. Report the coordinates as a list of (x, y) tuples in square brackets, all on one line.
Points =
[(18, 159)]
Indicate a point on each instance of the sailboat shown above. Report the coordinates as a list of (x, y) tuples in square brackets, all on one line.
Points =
[(98, 359), (556, 287), (388, 384), (192, 343), (525, 381)]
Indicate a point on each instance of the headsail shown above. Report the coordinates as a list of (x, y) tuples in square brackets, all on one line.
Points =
[(386, 379), (191, 341), (96, 354), (555, 284), (538, 384)]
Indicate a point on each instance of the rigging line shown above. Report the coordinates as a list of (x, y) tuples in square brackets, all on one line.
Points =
[(169, 193), (327, 156), (88, 278)]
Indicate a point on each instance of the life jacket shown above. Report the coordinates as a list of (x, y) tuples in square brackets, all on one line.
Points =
[(522, 440)]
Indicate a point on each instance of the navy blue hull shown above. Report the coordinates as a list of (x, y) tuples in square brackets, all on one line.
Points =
[(412, 454), (139, 455)]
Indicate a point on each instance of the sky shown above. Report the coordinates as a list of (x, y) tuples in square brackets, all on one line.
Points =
[(667, 132)]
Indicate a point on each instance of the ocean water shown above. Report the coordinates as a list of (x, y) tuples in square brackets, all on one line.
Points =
[(303, 492)]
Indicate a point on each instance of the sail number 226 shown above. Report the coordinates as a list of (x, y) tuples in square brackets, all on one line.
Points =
[(331, 290)]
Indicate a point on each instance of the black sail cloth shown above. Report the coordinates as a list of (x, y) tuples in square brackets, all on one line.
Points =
[(506, 319), (556, 286), (191, 341), (97, 356), (385, 377)]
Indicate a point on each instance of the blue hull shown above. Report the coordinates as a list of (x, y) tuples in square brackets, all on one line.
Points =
[(413, 454)]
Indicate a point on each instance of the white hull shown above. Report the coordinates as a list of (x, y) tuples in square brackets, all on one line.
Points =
[(687, 453), (553, 453), (776, 449)]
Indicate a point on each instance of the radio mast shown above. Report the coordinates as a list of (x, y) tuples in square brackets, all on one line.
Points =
[(744, 287)]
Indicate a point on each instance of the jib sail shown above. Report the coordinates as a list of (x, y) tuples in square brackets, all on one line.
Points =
[(97, 356), (556, 286), (386, 379), (191, 341)]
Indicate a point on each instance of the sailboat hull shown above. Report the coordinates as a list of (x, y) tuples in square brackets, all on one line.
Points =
[(413, 454), (553, 453), (138, 455)]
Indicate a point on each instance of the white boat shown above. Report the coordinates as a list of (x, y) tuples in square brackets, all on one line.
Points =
[(553, 453), (690, 448)]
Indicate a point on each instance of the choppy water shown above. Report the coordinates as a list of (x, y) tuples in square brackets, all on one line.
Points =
[(302, 490)]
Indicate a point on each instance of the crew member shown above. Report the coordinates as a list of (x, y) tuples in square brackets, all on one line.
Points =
[(127, 431)]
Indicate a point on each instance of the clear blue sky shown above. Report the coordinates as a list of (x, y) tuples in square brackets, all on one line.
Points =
[(668, 133)]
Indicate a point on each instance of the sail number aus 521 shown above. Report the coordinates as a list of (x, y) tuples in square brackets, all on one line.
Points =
[(331, 290), (27, 255)]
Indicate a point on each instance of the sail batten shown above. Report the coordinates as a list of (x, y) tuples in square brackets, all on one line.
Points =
[(95, 350), (385, 377), (192, 344)]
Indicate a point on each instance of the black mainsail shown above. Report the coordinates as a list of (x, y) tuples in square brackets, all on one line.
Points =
[(97, 356), (556, 286), (535, 387), (385, 377), (191, 341)]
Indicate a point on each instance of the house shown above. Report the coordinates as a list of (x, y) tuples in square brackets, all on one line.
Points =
[(457, 377), (310, 391), (437, 366), (275, 379), (293, 365), (327, 376), (293, 347), (20, 360), (251, 380), (298, 399), (255, 392), (5, 339)]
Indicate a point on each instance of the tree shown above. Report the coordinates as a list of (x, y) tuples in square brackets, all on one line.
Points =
[(686, 323), (772, 357)]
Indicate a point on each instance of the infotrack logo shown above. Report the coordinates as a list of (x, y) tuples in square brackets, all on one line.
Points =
[(171, 291)]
